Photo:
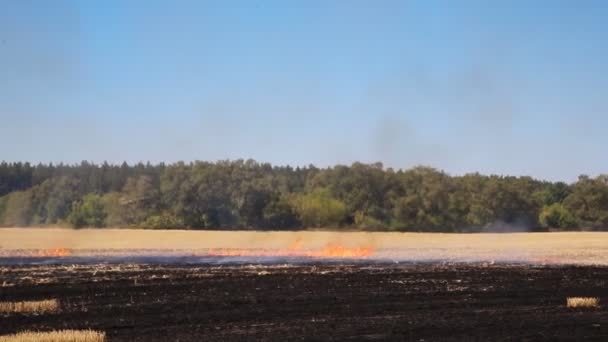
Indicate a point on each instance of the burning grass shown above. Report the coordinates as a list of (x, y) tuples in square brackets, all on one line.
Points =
[(588, 248), (30, 307), (56, 336), (329, 251), (55, 252), (582, 302)]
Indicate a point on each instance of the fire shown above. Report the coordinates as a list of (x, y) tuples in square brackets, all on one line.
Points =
[(57, 252), (546, 260), (338, 251), (294, 250), (297, 244)]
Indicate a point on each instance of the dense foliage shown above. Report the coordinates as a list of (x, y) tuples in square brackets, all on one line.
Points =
[(252, 195)]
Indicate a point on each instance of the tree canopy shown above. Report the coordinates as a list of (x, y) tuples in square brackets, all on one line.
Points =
[(247, 194)]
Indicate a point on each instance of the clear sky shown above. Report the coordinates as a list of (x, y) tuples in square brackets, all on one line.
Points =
[(507, 87)]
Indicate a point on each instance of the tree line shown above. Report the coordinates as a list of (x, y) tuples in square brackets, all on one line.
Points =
[(247, 194)]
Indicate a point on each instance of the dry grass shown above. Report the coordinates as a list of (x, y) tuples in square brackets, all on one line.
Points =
[(570, 247), (45, 239), (56, 336), (582, 302), (37, 306)]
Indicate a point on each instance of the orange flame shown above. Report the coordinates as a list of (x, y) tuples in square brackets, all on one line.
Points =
[(546, 260), (329, 251), (57, 252), (337, 251)]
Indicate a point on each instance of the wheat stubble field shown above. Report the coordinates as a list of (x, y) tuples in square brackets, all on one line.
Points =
[(544, 248), (278, 286)]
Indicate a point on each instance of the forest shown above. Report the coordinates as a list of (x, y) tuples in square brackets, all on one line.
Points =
[(245, 194)]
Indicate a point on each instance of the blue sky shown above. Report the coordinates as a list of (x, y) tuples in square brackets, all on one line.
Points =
[(507, 87)]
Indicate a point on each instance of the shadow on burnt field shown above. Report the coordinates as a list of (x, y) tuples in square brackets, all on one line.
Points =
[(312, 302)]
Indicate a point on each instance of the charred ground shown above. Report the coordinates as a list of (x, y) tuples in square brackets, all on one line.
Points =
[(312, 302)]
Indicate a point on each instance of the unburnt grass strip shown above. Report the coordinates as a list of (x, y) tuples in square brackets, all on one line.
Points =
[(56, 336), (30, 307), (582, 302)]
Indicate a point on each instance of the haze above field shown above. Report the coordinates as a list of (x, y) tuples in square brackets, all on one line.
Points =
[(513, 88)]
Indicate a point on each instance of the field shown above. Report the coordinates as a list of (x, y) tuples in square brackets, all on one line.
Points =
[(547, 248), (234, 286), (313, 302)]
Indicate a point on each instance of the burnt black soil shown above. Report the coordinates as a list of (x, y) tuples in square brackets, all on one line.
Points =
[(312, 302)]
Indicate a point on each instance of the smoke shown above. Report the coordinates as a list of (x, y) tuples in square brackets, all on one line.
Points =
[(398, 144), (461, 116), (505, 227)]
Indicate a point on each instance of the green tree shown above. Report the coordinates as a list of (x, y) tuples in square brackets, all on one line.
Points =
[(588, 202), (279, 214), (139, 199), (56, 197), (163, 220), (88, 213), (425, 201), (367, 222), (247, 194), (319, 209), (19, 209), (199, 194), (556, 216), (117, 214), (3, 204)]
